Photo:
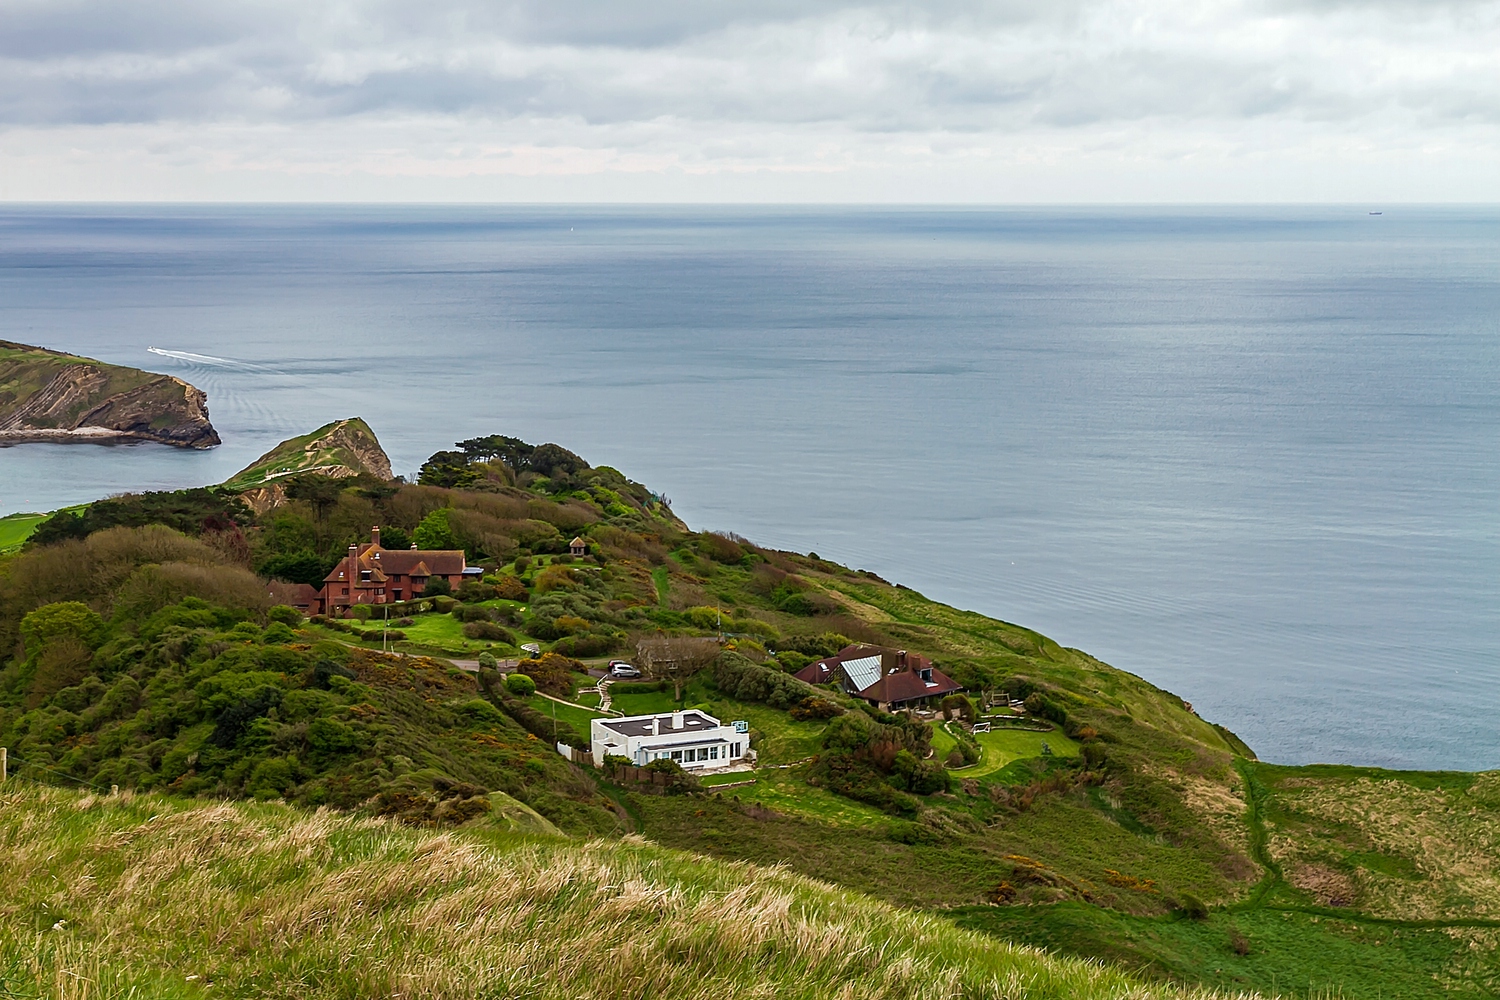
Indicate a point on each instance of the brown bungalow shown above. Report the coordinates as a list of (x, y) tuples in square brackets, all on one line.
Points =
[(887, 678), (370, 574)]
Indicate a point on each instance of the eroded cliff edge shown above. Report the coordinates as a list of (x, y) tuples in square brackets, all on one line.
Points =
[(48, 395)]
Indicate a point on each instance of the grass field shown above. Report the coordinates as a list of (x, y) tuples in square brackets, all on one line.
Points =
[(1292, 955), (1002, 746), (16, 528), (643, 704), (575, 717), (441, 633), (131, 896)]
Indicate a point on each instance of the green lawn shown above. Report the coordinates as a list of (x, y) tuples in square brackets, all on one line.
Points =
[(1005, 745), (441, 633), (644, 704), (16, 528), (942, 743), (591, 699), (575, 717)]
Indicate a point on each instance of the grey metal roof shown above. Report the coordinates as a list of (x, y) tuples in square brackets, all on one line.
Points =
[(862, 672)]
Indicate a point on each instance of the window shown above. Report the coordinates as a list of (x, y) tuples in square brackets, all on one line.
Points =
[(713, 753), (677, 755), (734, 749), (396, 593), (364, 576)]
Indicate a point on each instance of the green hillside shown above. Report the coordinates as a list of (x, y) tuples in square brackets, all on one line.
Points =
[(1109, 821), (153, 896), (341, 449)]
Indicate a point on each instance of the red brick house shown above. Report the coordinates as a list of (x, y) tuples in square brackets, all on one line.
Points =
[(886, 678), (370, 574)]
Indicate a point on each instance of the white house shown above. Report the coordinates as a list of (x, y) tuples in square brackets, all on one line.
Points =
[(692, 738)]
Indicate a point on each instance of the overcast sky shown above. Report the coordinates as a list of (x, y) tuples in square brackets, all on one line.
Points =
[(722, 100)]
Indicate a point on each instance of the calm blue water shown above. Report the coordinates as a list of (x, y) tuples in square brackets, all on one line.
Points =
[(1250, 455)]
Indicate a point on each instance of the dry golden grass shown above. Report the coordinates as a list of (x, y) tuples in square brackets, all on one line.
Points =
[(1405, 852), (148, 896)]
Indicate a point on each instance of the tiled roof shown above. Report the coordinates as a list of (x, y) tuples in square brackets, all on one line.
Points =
[(908, 685), (880, 675), (401, 562)]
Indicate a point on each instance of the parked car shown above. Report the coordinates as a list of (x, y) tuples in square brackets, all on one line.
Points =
[(620, 668)]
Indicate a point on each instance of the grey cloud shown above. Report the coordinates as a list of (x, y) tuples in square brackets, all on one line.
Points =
[(961, 66)]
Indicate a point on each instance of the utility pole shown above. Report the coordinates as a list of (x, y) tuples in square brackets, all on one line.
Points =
[(4, 764), (385, 623)]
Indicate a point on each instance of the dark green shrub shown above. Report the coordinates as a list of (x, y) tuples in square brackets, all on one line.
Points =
[(586, 645), (474, 591), (361, 612), (471, 613), (814, 707), (814, 647), (277, 633), (437, 586), (285, 614), (488, 631), (743, 680), (520, 685)]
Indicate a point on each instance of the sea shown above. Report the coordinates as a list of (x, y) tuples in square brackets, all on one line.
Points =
[(1248, 453)]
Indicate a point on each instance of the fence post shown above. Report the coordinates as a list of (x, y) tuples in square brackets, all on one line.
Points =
[(3, 763)]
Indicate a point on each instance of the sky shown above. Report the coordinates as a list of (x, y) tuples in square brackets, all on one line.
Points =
[(952, 101)]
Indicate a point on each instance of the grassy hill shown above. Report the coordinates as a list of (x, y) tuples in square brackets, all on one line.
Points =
[(1114, 824), (147, 895), (339, 450)]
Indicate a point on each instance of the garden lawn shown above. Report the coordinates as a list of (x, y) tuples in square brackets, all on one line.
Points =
[(644, 704), (439, 632), (1005, 745), (16, 528), (575, 717)]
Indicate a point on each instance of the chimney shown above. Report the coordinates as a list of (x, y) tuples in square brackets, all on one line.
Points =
[(414, 546), (655, 726), (676, 720), (375, 536)]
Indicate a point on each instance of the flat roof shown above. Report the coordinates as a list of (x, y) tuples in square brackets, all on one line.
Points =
[(640, 725)]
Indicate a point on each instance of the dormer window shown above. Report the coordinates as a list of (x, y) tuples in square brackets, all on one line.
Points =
[(364, 576), (926, 673)]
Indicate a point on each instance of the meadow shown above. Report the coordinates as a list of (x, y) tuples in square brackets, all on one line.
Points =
[(145, 895)]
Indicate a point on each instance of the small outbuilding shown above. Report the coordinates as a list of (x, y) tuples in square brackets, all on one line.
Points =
[(578, 547)]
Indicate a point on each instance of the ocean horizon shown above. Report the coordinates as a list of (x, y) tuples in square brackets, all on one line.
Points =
[(1248, 453)]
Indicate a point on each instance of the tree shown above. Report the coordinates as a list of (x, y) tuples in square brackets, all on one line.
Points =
[(676, 660), (437, 586), (321, 491), (435, 532), (520, 685)]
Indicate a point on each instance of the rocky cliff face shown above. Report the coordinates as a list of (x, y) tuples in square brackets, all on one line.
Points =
[(50, 396), (340, 450)]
